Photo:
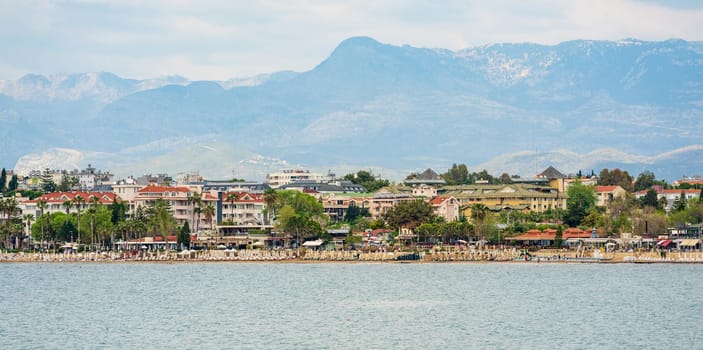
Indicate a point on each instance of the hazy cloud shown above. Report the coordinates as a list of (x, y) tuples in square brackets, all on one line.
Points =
[(223, 39)]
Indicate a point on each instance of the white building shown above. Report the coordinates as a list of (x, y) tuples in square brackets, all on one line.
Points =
[(276, 180), (127, 189)]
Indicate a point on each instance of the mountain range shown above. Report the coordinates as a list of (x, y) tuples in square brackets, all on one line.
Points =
[(517, 108)]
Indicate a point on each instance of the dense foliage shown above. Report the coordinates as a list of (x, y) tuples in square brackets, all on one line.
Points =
[(367, 180)]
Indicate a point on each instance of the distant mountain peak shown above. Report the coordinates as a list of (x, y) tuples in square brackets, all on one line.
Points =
[(401, 107), (359, 41)]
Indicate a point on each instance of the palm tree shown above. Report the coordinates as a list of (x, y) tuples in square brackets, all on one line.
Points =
[(270, 198), (209, 212), (161, 220), (478, 215), (198, 211), (68, 204), (93, 210), (28, 219), (195, 199), (231, 198), (41, 204), (79, 201), (8, 210)]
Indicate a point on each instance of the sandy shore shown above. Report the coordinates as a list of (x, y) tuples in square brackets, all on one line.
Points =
[(289, 256)]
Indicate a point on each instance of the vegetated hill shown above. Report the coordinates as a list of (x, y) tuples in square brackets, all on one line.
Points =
[(403, 107)]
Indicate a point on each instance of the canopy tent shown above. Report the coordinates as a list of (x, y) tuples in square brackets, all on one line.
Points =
[(315, 243)]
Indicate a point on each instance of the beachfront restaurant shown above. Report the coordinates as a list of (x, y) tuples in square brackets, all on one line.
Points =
[(608, 244), (535, 238), (689, 244)]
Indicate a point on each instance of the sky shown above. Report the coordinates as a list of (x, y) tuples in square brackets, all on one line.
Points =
[(222, 39)]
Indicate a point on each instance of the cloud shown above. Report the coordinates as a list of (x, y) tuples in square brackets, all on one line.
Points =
[(222, 39)]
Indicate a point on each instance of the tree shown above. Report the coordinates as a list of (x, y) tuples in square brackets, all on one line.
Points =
[(160, 219), (11, 225), (79, 201), (644, 180), (209, 213), (681, 203), (3, 181), (650, 199), (118, 210), (301, 203), (354, 212), (301, 215), (270, 198), (367, 180), (479, 213), (196, 201), (64, 228), (183, 239), (581, 200), (48, 185), (66, 183), (594, 219), (558, 237), (302, 227), (14, 183), (616, 177), (92, 211), (615, 218), (409, 214), (231, 198), (457, 175), (28, 218), (67, 204), (505, 179), (41, 204)]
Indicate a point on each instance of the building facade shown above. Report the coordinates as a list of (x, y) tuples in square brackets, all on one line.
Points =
[(276, 180)]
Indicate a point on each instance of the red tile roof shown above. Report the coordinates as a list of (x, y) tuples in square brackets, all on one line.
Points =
[(60, 197), (379, 231), (670, 191), (550, 234), (606, 188), (438, 200), (689, 191), (245, 197)]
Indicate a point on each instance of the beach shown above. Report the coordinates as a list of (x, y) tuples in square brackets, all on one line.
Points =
[(292, 256)]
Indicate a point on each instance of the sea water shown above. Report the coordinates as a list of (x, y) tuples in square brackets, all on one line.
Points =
[(350, 306)]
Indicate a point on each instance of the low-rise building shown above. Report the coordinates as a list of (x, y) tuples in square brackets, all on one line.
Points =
[(671, 195), (381, 203), (244, 208), (446, 207), (692, 181), (276, 180), (179, 199), (329, 187), (522, 197), (56, 202), (606, 194)]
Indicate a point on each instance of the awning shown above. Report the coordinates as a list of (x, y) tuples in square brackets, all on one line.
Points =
[(665, 243), (688, 242), (315, 243)]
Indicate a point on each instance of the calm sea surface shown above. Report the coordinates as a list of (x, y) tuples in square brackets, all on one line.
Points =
[(351, 306)]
